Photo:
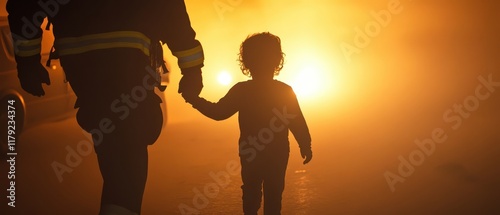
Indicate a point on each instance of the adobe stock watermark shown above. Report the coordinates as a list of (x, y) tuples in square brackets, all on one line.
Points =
[(120, 106), (265, 135), (211, 190), (29, 30), (371, 29), (453, 116), (222, 179), (223, 6)]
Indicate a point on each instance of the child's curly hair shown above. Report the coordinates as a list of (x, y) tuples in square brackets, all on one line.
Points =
[(261, 51)]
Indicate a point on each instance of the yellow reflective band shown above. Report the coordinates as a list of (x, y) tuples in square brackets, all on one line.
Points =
[(188, 52), (98, 46), (28, 53), (190, 58), (33, 42), (109, 35), (196, 62), (116, 39), (27, 48)]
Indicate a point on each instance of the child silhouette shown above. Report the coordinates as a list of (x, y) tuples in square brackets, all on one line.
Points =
[(268, 109)]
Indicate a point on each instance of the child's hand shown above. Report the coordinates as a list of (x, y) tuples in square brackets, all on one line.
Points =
[(306, 154)]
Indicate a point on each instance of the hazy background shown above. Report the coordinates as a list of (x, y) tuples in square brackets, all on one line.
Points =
[(362, 114)]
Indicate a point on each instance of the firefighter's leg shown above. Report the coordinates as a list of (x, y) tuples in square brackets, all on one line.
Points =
[(101, 79), (274, 183), (124, 171), (124, 163), (252, 186), (115, 210)]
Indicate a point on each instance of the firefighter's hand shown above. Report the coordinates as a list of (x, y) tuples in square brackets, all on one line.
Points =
[(32, 75), (190, 97), (306, 154), (191, 82)]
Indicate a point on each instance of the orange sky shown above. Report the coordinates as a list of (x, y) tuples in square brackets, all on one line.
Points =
[(365, 108), (428, 55)]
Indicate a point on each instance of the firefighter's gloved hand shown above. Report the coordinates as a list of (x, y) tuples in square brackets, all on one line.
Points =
[(307, 154), (191, 82), (32, 74), (190, 97)]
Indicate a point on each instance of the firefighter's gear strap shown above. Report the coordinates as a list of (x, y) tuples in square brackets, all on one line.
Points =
[(157, 62), (28, 48), (115, 39), (52, 55), (190, 58)]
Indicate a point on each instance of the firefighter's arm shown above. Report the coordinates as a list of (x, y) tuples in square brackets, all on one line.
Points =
[(180, 38), (25, 18)]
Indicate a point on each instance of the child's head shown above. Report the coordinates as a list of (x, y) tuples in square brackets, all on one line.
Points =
[(261, 52)]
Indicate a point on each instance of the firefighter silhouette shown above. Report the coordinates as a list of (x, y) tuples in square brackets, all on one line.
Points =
[(267, 110), (111, 54)]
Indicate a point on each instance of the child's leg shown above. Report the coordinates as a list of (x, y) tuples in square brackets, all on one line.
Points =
[(251, 176), (274, 183)]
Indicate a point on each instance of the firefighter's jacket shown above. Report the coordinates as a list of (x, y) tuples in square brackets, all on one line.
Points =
[(81, 26)]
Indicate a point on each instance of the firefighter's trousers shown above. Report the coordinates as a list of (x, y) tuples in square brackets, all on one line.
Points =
[(118, 106)]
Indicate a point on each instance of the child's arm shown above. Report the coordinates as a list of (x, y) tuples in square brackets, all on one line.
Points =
[(299, 129), (225, 108)]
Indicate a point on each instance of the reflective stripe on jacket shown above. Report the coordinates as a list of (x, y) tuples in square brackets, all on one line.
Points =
[(123, 39), (115, 39), (27, 48), (190, 58)]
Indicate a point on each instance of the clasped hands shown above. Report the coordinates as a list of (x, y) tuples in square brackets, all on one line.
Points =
[(190, 85)]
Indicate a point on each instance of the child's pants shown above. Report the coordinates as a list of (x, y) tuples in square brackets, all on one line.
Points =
[(266, 172)]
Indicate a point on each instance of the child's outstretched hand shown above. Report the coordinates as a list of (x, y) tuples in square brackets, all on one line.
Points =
[(306, 154)]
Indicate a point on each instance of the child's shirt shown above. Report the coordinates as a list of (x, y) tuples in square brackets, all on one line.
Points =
[(267, 110)]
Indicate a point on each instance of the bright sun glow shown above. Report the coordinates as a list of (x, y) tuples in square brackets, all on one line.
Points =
[(308, 81), (309, 78), (224, 78)]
